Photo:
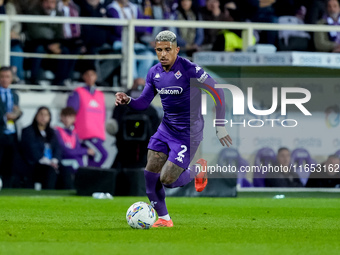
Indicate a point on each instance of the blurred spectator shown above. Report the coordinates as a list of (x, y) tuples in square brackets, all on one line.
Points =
[(2, 7), (190, 39), (13, 8), (72, 152), (230, 11), (27, 6), (199, 3), (124, 9), (89, 104), (329, 41), (72, 32), (283, 178), (260, 11), (327, 176), (229, 40), (47, 38), (134, 130), (69, 9), (288, 7), (158, 10), (315, 10), (84, 5), (211, 12), (94, 37), (10, 113), (96, 40), (292, 40), (41, 150), (173, 4)]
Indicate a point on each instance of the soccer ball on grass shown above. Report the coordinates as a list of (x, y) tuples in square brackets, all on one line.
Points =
[(141, 215)]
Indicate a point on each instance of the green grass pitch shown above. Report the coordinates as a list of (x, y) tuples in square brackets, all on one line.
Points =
[(64, 224)]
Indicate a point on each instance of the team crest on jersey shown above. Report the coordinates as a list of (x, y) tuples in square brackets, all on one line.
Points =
[(68, 145), (178, 74), (157, 76), (197, 69)]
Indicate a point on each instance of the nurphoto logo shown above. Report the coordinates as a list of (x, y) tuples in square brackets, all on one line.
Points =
[(239, 105)]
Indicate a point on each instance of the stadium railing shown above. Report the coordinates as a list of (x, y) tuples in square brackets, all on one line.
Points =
[(128, 55)]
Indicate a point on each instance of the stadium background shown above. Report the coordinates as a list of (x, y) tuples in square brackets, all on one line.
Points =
[(305, 223), (320, 148)]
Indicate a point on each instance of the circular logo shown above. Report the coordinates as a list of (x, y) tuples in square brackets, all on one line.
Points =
[(332, 116)]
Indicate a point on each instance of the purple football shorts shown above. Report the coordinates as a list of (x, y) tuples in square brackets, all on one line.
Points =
[(179, 151)]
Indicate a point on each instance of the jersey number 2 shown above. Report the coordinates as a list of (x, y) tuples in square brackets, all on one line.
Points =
[(182, 151)]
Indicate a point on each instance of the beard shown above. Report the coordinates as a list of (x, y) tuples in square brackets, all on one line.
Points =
[(166, 66)]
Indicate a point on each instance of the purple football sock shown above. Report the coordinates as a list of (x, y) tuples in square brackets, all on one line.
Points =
[(155, 192), (185, 177)]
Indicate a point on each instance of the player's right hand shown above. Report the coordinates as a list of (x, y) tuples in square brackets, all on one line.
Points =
[(122, 98)]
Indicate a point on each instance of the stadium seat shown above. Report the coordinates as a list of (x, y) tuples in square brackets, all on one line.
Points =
[(301, 156), (230, 156), (264, 157)]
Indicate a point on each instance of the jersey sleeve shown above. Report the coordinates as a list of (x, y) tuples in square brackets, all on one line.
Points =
[(207, 84), (74, 101), (149, 92)]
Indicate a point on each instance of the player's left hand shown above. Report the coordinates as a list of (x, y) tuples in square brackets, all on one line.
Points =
[(226, 141), (223, 136)]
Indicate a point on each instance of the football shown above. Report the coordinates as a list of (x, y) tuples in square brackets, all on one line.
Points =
[(141, 215)]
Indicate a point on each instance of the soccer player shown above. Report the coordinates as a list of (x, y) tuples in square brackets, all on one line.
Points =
[(175, 143)]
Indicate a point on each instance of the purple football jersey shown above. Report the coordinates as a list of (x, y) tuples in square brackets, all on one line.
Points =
[(181, 103)]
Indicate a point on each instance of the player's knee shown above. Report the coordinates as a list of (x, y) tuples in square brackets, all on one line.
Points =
[(167, 179), (151, 167), (156, 161)]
